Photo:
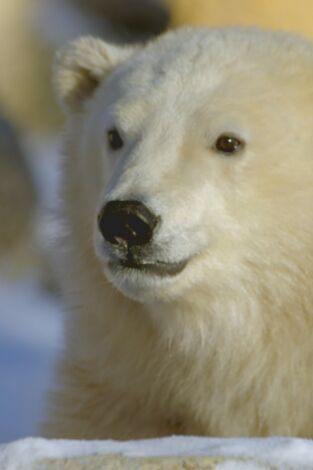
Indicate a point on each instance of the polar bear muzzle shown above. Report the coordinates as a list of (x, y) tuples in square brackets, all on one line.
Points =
[(129, 227)]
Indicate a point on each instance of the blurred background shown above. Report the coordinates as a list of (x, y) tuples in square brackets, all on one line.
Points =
[(30, 125)]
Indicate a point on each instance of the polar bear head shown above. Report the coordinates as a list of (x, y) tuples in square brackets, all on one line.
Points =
[(190, 160)]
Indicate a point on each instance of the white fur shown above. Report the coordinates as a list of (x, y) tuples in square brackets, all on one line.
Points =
[(224, 348)]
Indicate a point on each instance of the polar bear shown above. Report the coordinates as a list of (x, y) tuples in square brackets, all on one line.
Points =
[(187, 254)]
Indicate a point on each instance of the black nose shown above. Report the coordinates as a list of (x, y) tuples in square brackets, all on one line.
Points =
[(127, 223)]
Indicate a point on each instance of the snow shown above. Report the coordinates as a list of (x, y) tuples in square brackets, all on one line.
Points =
[(284, 453), (43, 158), (30, 335), (30, 316)]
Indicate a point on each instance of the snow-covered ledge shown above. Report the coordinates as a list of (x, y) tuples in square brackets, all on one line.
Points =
[(171, 453)]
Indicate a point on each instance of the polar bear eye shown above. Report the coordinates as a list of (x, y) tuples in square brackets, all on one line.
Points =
[(228, 144), (115, 141)]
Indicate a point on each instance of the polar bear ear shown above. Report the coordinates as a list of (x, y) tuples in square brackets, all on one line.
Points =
[(82, 66)]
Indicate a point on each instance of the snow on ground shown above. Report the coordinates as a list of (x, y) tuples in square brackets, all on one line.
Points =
[(282, 453), (30, 317), (30, 334)]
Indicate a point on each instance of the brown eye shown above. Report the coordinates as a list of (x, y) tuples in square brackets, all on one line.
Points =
[(114, 139), (228, 144)]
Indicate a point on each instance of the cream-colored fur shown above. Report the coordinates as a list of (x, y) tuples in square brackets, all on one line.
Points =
[(225, 347)]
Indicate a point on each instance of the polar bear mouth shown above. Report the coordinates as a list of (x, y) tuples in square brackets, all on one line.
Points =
[(157, 268)]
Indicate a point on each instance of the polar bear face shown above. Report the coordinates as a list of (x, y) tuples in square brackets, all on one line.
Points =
[(191, 159)]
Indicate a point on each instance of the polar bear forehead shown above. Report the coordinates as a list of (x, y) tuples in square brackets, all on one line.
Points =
[(195, 56), (222, 46), (186, 59)]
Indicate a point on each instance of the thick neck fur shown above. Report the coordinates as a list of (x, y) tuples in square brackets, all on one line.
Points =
[(226, 347)]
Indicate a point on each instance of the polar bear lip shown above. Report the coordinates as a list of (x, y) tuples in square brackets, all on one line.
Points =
[(158, 268)]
